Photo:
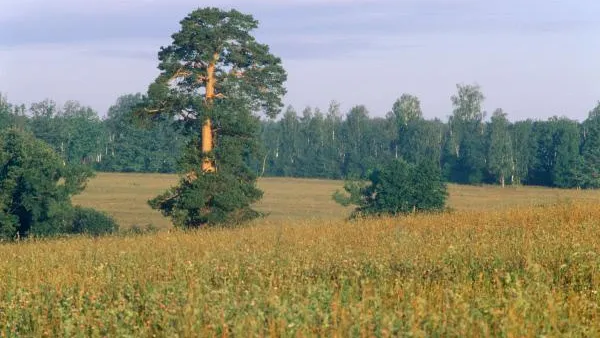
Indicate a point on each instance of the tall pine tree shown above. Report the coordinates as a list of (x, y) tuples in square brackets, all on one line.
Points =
[(215, 76)]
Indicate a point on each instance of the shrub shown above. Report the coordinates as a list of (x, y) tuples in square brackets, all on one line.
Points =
[(397, 188), (92, 222), (137, 229), (35, 187)]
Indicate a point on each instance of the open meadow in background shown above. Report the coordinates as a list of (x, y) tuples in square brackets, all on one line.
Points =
[(506, 262), (124, 196)]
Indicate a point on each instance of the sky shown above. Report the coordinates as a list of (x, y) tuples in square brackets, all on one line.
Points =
[(533, 58)]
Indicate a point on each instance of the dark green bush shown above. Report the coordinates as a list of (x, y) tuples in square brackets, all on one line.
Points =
[(396, 188), (93, 222), (35, 187)]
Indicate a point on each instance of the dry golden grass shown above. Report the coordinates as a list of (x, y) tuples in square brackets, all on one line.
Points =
[(125, 195), (497, 266), (520, 272)]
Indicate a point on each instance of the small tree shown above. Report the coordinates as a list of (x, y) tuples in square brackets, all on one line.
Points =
[(35, 187), (397, 188)]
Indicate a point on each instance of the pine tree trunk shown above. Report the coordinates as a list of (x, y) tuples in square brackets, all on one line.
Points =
[(207, 143), (208, 165)]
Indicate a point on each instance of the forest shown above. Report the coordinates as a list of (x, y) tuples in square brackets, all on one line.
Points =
[(471, 146)]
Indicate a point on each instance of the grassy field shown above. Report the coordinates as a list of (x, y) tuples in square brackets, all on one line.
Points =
[(125, 195), (500, 265)]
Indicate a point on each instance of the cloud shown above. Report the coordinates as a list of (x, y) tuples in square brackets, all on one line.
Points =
[(533, 58), (74, 72), (17, 9), (75, 21)]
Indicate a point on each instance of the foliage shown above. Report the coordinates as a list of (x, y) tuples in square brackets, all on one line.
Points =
[(209, 200), (406, 109), (245, 69), (137, 147), (214, 53), (556, 152), (224, 197), (35, 187), (500, 157), (92, 222), (397, 188), (5, 112), (556, 158), (523, 149), (74, 131), (589, 167), (466, 153)]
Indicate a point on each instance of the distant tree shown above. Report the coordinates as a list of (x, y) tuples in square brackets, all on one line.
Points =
[(557, 159), (267, 159), (565, 173), (74, 131), (135, 147), (391, 131), (5, 112), (354, 135), (334, 149), (288, 148), (544, 158), (500, 155), (83, 134), (214, 77), (405, 111), (312, 155), (590, 150), (44, 125), (396, 188), (377, 142), (35, 187), (423, 140), (126, 147), (524, 149), (466, 152)]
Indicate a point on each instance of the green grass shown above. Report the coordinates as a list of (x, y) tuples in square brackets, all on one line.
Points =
[(498, 266)]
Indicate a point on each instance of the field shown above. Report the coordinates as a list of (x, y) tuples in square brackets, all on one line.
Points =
[(515, 262), (124, 196)]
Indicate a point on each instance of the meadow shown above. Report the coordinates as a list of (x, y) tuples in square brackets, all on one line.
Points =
[(505, 262), (124, 196)]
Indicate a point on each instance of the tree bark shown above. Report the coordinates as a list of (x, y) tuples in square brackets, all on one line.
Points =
[(207, 145), (208, 165)]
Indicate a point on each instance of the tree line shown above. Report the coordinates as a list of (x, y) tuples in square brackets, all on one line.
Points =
[(469, 147), (116, 143)]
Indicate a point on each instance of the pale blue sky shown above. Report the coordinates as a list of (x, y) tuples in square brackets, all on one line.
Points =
[(534, 58)]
